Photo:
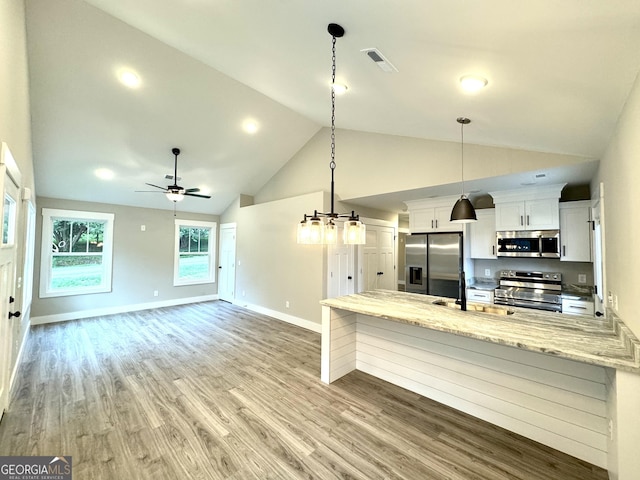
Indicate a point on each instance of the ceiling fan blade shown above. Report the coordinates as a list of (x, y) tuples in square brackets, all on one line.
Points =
[(192, 190), (147, 191), (157, 186), (187, 194)]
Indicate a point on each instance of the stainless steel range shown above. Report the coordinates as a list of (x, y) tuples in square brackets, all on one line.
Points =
[(541, 290)]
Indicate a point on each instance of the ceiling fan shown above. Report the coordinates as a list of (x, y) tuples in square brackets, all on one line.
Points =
[(175, 192)]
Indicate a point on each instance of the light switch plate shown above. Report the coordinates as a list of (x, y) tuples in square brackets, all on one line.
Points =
[(582, 278), (487, 272)]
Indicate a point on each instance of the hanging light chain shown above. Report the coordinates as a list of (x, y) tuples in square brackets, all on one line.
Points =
[(332, 164)]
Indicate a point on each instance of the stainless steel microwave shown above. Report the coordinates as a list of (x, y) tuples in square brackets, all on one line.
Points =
[(534, 243)]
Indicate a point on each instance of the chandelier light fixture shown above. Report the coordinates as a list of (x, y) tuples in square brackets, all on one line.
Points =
[(463, 211), (313, 229)]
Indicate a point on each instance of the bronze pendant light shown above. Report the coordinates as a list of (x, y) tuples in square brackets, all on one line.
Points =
[(463, 211)]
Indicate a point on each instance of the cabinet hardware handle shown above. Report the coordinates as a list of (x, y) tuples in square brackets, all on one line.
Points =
[(564, 250), (577, 306), (493, 249), (527, 219), (521, 220), (14, 314), (436, 223), (431, 223)]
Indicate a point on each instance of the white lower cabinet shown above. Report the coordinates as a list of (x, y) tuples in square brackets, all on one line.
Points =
[(577, 307), (479, 296)]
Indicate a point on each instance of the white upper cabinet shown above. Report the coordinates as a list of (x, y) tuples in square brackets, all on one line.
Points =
[(575, 231), (482, 235), (528, 215), (432, 215), (535, 208)]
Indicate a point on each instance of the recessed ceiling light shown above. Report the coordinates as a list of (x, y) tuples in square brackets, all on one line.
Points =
[(472, 83), (129, 78), (104, 173), (250, 126), (339, 88)]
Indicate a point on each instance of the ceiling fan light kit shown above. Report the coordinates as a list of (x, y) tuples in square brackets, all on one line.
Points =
[(175, 193), (312, 230)]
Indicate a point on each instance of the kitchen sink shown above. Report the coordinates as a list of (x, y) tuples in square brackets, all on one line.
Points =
[(475, 307)]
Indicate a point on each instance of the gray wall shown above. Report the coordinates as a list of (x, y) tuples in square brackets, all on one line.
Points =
[(142, 261)]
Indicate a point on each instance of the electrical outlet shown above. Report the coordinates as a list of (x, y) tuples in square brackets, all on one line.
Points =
[(610, 298), (615, 302), (155, 293), (286, 304), (143, 228), (487, 272), (582, 278)]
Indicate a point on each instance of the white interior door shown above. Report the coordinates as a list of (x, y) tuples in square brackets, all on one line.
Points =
[(227, 263), (341, 276), (378, 258), (10, 187)]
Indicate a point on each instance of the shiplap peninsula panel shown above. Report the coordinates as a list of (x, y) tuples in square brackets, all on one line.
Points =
[(338, 338), (554, 401)]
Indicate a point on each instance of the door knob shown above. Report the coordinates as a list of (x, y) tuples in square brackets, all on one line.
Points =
[(11, 299), (219, 266), (349, 277), (14, 314)]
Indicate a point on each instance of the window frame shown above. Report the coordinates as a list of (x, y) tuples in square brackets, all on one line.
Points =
[(49, 215), (213, 235)]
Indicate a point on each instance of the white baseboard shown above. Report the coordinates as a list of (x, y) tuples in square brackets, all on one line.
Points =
[(14, 373), (63, 317), (300, 322)]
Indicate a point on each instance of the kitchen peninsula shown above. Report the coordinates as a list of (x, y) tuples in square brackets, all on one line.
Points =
[(544, 375)]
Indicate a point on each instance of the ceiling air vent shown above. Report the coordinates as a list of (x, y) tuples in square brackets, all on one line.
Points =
[(380, 60)]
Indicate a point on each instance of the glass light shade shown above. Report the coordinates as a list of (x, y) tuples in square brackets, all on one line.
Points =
[(174, 197), (303, 232), (463, 211), (354, 233), (316, 231), (330, 233)]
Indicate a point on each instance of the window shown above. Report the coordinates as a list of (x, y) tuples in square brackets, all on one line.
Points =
[(76, 258), (195, 252)]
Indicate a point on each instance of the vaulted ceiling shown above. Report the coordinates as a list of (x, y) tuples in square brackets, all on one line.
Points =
[(558, 76)]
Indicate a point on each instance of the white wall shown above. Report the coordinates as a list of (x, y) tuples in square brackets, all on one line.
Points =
[(619, 171), (15, 126), (372, 164)]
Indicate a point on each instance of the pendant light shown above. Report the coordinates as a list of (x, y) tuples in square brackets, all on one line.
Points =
[(312, 229), (463, 211)]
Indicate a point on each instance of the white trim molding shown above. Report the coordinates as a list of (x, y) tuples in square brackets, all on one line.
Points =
[(98, 312), (299, 322)]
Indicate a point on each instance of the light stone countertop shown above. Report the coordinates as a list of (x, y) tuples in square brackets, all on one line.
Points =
[(597, 341)]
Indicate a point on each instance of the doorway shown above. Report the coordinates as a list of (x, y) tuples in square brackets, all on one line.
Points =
[(227, 263), (10, 181)]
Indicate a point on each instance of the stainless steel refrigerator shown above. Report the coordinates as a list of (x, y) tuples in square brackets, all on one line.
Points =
[(433, 263)]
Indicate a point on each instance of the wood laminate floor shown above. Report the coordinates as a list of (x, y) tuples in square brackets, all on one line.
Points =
[(213, 391)]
